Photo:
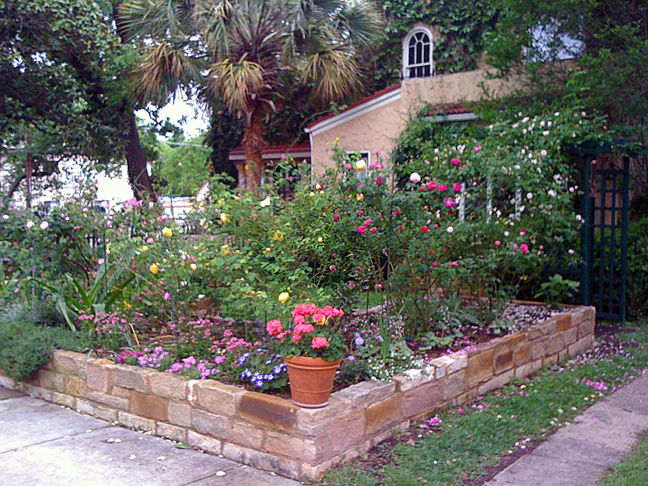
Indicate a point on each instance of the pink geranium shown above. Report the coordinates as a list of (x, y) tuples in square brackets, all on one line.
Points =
[(303, 329), (320, 342), (296, 338), (274, 327)]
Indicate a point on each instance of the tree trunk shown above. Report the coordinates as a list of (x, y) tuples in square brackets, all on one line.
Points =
[(138, 175), (253, 145)]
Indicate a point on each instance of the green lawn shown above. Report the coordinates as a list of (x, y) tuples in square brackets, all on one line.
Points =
[(478, 435), (633, 471)]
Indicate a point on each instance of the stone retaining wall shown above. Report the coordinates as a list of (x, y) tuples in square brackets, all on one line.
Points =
[(271, 433)]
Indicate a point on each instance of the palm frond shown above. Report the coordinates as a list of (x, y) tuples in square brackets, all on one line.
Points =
[(238, 83), (359, 22), (333, 72), (154, 18)]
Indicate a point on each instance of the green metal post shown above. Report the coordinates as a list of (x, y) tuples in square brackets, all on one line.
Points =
[(624, 237), (586, 233)]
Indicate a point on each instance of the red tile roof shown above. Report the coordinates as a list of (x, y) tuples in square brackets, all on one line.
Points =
[(277, 149), (362, 101)]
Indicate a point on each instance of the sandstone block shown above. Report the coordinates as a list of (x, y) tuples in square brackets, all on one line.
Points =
[(106, 399), (180, 413), (120, 392), (496, 382), (480, 366), (311, 420), (421, 399), (207, 423), (586, 329), (171, 432), (204, 442), (268, 411), (98, 375), (366, 393), (454, 385), (543, 329), (68, 362), (581, 346), (149, 406), (383, 415), (290, 446), (131, 377), (74, 386), (246, 435), (38, 392), (168, 385), (522, 354), (51, 380), (528, 369), (135, 422), (563, 322), (340, 434), (104, 413), (216, 397), (259, 460), (550, 360), (63, 399)]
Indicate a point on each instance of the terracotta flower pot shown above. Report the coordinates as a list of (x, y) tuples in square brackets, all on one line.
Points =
[(311, 380)]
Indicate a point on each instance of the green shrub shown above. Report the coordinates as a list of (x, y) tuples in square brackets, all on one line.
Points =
[(638, 268), (25, 347)]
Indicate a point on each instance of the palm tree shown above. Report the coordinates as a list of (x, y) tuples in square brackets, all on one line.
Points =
[(240, 51)]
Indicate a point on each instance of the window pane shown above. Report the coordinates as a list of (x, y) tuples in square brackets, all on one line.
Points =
[(419, 52)]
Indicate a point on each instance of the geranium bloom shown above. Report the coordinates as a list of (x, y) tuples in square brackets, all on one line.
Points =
[(329, 311), (304, 310), (362, 229), (274, 327), (319, 318), (296, 338), (456, 162), (320, 342), (456, 187), (303, 329), (443, 188), (379, 181)]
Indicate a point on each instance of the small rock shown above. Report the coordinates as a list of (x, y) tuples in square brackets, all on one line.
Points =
[(110, 441), (132, 456), (161, 458), (221, 473), (117, 441)]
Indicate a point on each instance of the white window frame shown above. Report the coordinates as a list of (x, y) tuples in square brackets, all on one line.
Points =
[(406, 41), (365, 173)]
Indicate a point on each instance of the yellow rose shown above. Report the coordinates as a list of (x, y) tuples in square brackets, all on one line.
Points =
[(224, 217), (318, 187), (320, 239), (360, 197), (360, 165), (236, 198), (265, 203), (278, 236), (283, 297), (127, 305), (154, 269), (144, 249), (312, 194), (322, 192), (193, 267), (167, 232)]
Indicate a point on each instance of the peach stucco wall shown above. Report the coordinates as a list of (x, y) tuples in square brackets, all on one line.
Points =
[(374, 131), (378, 129)]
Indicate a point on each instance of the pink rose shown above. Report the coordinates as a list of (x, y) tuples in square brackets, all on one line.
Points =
[(336, 218), (431, 185), (477, 148), (450, 203), (524, 248), (320, 342), (425, 229), (498, 243), (374, 229), (359, 213), (456, 187), (347, 167), (274, 327), (362, 230), (443, 188), (456, 162), (368, 222)]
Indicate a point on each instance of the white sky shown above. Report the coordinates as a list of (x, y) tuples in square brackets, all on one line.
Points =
[(197, 119)]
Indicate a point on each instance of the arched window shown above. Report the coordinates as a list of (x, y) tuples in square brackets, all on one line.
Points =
[(417, 54)]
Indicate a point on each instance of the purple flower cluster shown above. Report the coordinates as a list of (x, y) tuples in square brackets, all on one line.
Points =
[(206, 368), (269, 371), (153, 359)]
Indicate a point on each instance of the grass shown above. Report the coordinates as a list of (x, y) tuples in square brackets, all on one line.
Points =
[(633, 470), (473, 438)]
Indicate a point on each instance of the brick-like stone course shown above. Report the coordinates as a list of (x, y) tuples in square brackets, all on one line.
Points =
[(270, 433)]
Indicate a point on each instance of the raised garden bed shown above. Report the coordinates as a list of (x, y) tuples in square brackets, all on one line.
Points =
[(270, 432)]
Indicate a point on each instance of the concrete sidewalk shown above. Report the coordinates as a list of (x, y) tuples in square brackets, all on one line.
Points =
[(43, 443), (580, 453)]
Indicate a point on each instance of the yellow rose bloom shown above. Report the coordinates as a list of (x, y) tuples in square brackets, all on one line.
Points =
[(360, 197), (278, 236), (360, 165), (312, 194), (224, 217), (318, 187), (167, 232), (154, 269), (236, 198), (127, 305), (283, 297), (144, 249), (193, 267)]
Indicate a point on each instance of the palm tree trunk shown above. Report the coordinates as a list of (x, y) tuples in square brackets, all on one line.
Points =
[(138, 175), (253, 145)]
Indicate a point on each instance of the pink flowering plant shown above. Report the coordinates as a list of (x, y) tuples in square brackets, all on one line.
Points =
[(314, 332)]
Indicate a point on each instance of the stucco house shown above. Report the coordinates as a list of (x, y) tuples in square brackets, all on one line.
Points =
[(372, 124)]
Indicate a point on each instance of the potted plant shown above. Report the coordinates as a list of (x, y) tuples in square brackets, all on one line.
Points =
[(312, 348)]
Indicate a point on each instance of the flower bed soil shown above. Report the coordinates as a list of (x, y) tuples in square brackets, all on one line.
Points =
[(270, 432)]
